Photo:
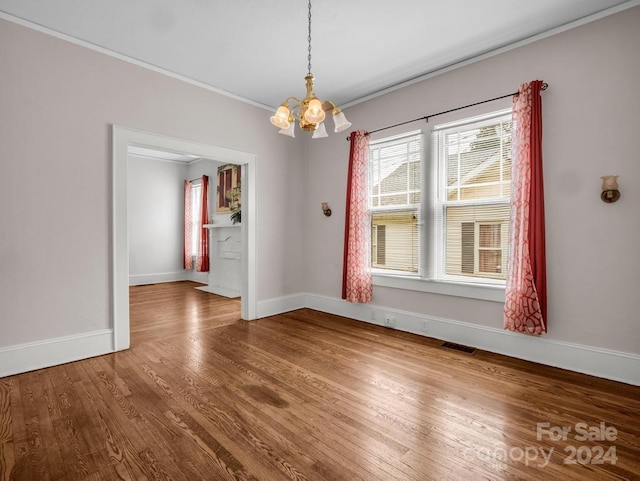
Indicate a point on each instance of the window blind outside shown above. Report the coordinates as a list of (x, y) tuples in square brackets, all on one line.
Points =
[(472, 208), (395, 186)]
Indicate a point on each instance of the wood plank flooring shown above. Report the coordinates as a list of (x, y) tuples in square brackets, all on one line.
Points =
[(304, 396)]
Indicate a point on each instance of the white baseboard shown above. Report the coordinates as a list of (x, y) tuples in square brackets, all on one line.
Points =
[(158, 278), (220, 291), (279, 305), (200, 277), (51, 352), (595, 361)]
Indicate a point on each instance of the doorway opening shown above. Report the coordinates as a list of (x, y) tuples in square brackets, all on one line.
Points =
[(123, 141)]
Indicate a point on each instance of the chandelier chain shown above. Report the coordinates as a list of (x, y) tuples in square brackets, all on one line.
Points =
[(309, 40), (310, 112)]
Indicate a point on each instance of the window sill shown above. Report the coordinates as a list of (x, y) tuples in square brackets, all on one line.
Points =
[(472, 291)]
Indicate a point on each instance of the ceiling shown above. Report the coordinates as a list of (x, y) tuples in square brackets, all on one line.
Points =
[(257, 49)]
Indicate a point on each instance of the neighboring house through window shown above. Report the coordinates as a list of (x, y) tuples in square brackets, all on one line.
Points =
[(445, 218)]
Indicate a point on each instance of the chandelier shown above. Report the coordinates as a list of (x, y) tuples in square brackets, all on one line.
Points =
[(310, 111)]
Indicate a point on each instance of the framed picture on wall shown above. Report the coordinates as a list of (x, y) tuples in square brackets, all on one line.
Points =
[(228, 189)]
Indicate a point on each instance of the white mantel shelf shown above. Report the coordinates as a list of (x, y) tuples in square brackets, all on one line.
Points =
[(218, 226), (220, 291)]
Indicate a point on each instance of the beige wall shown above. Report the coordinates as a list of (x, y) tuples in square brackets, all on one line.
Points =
[(455, 217), (58, 102), (590, 129)]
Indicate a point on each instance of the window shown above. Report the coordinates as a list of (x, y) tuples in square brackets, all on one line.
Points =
[(445, 218), (395, 179), (482, 249), (196, 206), (489, 249), (473, 161)]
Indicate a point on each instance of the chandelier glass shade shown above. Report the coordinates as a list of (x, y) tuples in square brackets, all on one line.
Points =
[(310, 111)]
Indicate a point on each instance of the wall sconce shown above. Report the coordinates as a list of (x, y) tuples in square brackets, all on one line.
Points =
[(325, 209), (610, 192)]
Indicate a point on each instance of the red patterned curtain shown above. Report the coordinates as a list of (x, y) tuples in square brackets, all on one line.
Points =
[(202, 260), (357, 284), (187, 259), (525, 308)]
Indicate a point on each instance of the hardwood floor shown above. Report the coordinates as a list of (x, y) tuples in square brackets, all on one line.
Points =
[(304, 396)]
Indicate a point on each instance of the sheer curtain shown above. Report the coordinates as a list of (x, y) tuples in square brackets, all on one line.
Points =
[(187, 253), (202, 259), (357, 283), (196, 214), (525, 308)]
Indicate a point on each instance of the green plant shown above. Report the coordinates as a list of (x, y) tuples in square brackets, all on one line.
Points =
[(236, 216), (233, 196)]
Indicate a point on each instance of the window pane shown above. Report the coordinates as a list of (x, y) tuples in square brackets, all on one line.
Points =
[(395, 183), (472, 208), (387, 200), (395, 171), (381, 244), (452, 168), (374, 244), (467, 247), (396, 243), (414, 175), (477, 160), (490, 235), (469, 231), (490, 261)]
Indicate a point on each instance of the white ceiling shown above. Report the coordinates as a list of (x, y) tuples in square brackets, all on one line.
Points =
[(257, 49)]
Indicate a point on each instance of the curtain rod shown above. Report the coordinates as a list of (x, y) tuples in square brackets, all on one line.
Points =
[(427, 117), (199, 178)]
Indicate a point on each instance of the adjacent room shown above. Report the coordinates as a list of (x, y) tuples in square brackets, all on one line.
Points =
[(297, 240)]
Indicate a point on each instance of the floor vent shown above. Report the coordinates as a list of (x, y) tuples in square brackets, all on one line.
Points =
[(459, 347)]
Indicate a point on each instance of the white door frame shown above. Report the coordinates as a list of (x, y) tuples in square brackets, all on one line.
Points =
[(122, 139)]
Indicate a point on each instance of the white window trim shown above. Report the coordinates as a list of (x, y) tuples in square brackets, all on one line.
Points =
[(485, 292)]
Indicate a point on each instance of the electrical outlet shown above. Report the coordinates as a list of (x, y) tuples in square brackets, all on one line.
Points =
[(389, 320)]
